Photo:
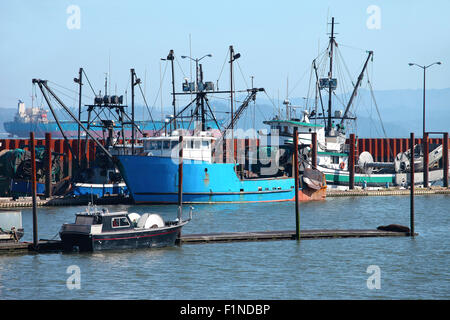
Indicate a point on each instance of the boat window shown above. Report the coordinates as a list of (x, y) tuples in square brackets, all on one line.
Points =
[(155, 145), (205, 144), (335, 159), (124, 222), (120, 222), (166, 144), (84, 220), (174, 144), (197, 144)]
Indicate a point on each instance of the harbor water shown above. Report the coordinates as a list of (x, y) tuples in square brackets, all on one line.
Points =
[(407, 268)]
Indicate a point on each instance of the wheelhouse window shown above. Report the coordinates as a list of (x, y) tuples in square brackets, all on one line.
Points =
[(174, 144), (154, 145), (205, 144), (196, 144), (120, 222), (335, 159), (166, 144)]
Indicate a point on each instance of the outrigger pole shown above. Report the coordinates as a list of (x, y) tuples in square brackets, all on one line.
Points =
[(43, 84), (355, 89), (54, 114)]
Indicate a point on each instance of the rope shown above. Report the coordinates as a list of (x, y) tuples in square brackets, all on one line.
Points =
[(145, 101), (89, 82), (223, 65)]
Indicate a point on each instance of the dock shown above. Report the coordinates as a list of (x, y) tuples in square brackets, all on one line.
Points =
[(387, 192), (24, 202), (286, 235), (55, 246), (44, 246)]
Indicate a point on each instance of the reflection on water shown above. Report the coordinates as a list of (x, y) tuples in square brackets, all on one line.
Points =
[(310, 269)]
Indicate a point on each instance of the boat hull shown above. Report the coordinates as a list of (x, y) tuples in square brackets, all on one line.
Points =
[(148, 238), (155, 180)]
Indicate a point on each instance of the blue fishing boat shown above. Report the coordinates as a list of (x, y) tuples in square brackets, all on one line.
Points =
[(152, 176)]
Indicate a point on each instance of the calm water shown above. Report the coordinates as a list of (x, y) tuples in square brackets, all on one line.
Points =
[(311, 269)]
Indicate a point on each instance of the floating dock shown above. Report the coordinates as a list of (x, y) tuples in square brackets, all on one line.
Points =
[(286, 235), (387, 192), (55, 246), (62, 201)]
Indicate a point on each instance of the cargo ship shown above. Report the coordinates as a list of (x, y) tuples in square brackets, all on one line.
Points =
[(35, 119)]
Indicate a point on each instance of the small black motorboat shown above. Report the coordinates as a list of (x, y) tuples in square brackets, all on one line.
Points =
[(102, 230)]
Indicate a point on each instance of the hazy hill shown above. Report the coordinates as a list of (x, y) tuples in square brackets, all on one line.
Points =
[(400, 110)]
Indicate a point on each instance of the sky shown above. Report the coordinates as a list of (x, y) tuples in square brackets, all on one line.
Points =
[(277, 41)]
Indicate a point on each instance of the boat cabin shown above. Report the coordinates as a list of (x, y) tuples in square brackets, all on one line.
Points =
[(194, 147), (331, 151)]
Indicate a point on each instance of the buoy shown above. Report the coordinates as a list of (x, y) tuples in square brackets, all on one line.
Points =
[(342, 165)]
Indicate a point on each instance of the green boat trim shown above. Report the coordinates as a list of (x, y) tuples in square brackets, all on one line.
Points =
[(339, 178), (332, 154)]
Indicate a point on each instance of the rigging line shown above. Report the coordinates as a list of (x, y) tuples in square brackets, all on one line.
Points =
[(351, 47), (64, 94), (145, 101), (378, 112), (223, 66), (298, 82), (160, 86), (246, 84), (217, 97), (270, 99), (309, 88), (90, 85), (345, 65), (184, 76), (71, 90)]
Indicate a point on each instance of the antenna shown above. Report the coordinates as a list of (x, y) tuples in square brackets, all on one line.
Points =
[(106, 83), (109, 70)]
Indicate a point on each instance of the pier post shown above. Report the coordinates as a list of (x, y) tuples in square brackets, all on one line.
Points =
[(314, 150), (351, 163), (48, 165), (445, 159), (224, 150), (33, 188), (297, 212), (411, 181), (180, 176), (425, 159)]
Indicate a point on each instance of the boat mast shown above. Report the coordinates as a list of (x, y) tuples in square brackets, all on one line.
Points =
[(79, 81), (330, 76), (202, 102), (231, 87), (171, 57)]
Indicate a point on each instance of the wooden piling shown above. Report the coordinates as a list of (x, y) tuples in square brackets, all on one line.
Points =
[(48, 165), (33, 188), (314, 150), (425, 159), (351, 164), (296, 176), (411, 179), (180, 176), (445, 159)]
